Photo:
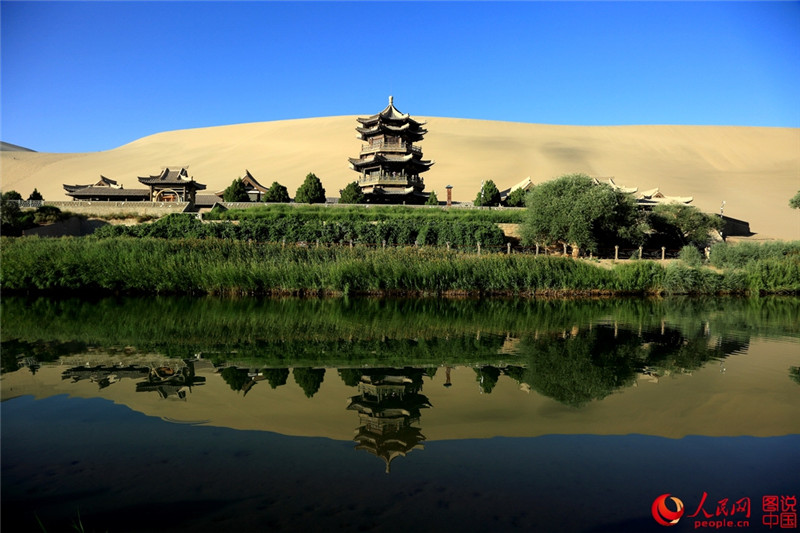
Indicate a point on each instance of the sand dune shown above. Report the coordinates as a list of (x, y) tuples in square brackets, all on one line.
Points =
[(754, 170)]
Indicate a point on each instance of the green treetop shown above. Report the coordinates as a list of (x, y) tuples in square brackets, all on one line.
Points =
[(352, 194), (576, 211), (489, 195), (236, 192), (311, 191), (277, 193), (432, 199)]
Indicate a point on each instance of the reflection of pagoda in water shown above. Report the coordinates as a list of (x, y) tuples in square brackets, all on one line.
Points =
[(388, 404)]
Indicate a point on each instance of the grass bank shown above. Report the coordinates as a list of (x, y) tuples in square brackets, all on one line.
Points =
[(222, 266)]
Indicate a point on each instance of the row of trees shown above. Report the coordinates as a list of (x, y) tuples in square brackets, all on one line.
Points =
[(310, 192)]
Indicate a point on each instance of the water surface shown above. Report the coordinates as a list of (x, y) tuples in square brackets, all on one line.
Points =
[(173, 414)]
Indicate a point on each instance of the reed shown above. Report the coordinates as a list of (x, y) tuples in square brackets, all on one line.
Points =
[(224, 266)]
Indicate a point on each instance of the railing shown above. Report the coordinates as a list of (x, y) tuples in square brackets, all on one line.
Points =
[(382, 177), (389, 147)]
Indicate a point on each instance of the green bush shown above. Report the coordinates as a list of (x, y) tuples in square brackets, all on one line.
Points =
[(691, 256)]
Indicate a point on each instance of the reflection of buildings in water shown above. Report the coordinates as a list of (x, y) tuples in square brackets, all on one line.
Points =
[(166, 380), (388, 405), (31, 363), (104, 375), (171, 381)]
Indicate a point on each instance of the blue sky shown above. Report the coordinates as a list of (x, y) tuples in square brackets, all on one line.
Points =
[(86, 76)]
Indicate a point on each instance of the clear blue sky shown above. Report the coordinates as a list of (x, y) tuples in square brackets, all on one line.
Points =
[(86, 76)]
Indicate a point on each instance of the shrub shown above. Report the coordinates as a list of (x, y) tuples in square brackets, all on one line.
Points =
[(691, 256), (432, 199)]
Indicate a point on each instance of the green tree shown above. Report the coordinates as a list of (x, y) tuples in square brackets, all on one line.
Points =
[(516, 198), (311, 191), (352, 194), (794, 203), (575, 210), (236, 192), (12, 195), (277, 193), (35, 196), (12, 219), (432, 199), (489, 195), (683, 224)]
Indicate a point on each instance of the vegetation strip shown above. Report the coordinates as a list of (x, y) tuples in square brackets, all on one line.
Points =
[(224, 266)]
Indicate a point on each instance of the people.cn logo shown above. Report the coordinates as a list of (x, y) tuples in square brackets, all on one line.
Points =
[(665, 516)]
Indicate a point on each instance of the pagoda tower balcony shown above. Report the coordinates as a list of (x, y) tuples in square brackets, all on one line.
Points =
[(385, 178), (394, 147)]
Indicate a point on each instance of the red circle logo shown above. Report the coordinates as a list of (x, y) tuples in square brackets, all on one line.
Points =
[(665, 516)]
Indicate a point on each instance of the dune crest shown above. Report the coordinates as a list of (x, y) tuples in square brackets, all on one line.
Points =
[(754, 170)]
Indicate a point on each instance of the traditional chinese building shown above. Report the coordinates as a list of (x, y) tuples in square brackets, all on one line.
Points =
[(390, 165), (106, 190), (172, 186), (388, 408), (254, 189)]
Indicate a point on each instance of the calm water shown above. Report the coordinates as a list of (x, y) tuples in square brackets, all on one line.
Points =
[(180, 414)]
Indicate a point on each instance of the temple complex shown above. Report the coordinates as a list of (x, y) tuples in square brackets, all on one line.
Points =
[(172, 186), (389, 164)]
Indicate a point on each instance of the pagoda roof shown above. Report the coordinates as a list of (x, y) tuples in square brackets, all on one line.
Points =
[(102, 182), (390, 113), (95, 191), (381, 158), (171, 177)]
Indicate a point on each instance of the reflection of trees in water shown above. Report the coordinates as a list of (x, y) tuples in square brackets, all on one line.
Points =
[(583, 365), (309, 379), (794, 374)]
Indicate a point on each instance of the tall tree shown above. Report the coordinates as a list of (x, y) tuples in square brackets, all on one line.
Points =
[(236, 192), (277, 193), (684, 225), (311, 191), (489, 195), (352, 194), (432, 199), (576, 211), (35, 196)]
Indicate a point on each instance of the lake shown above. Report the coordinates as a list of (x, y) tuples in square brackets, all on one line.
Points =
[(210, 414)]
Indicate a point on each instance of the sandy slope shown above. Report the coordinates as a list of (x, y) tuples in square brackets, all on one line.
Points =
[(755, 170)]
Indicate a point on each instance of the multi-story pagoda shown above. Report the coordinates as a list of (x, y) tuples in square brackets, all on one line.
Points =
[(390, 164)]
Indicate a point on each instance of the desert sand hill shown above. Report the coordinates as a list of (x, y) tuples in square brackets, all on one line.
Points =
[(755, 170)]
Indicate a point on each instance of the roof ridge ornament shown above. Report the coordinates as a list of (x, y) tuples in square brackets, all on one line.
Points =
[(391, 100)]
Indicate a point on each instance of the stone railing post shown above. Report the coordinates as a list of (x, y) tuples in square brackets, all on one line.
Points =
[(616, 252), (508, 248), (479, 247), (640, 252), (663, 252)]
